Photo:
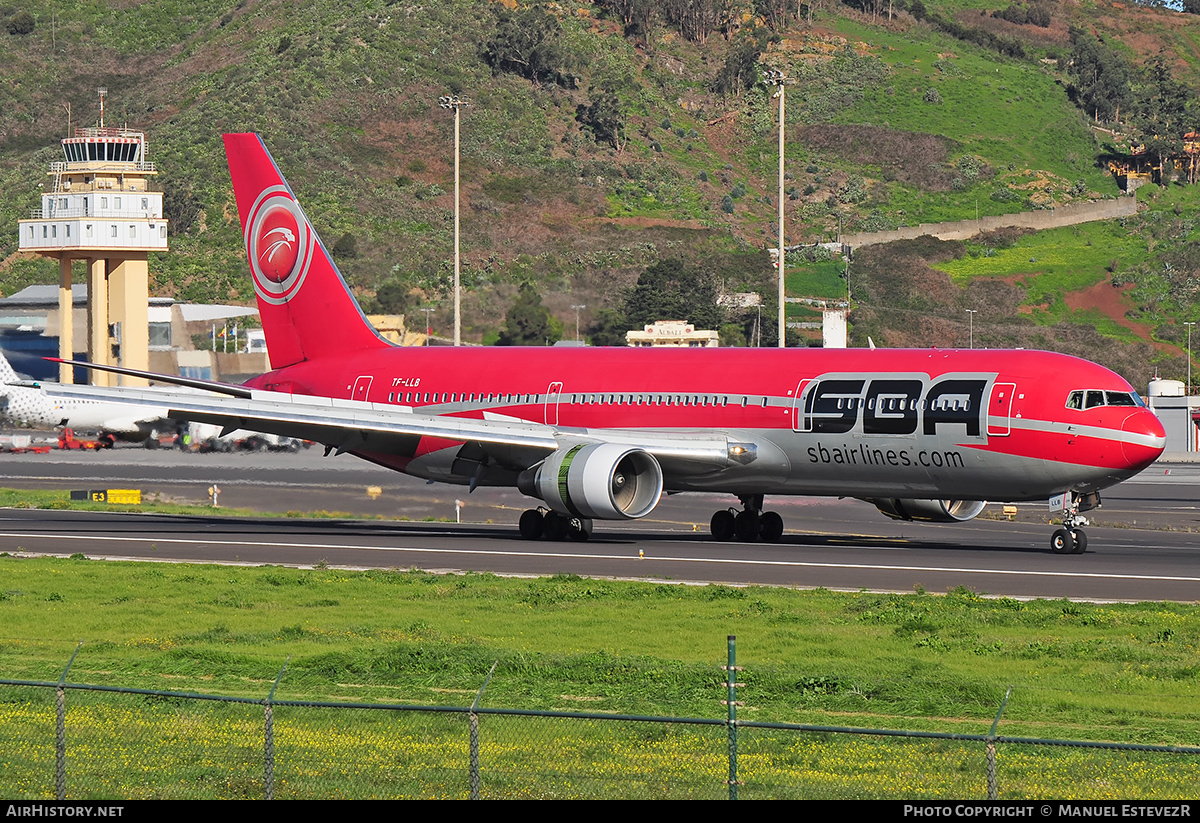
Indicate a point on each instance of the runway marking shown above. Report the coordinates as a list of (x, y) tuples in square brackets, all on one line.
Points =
[(622, 557)]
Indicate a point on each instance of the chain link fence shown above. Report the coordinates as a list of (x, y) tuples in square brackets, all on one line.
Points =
[(79, 741)]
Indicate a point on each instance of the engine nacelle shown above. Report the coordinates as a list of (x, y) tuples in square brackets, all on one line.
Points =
[(933, 511), (599, 480)]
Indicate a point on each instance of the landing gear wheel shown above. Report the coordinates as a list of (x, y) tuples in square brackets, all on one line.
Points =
[(531, 524), (579, 529), (555, 526), (1080, 540), (772, 527), (722, 525), (747, 525), (1061, 542)]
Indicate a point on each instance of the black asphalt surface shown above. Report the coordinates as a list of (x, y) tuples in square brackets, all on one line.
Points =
[(1139, 544)]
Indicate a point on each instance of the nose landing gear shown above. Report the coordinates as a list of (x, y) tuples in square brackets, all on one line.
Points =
[(748, 525), (1071, 539)]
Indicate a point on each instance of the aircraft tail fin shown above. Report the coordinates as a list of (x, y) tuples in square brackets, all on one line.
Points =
[(307, 310), (7, 373)]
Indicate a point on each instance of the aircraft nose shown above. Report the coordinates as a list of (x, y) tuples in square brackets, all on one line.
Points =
[(1147, 441)]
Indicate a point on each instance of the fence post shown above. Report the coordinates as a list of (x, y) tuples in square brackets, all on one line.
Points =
[(60, 730), (473, 723), (731, 684), (992, 784), (269, 738)]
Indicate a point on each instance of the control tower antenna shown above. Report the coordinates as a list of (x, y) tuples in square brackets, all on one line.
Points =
[(103, 90)]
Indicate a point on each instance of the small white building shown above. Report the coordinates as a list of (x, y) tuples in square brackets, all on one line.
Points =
[(677, 333), (1178, 413)]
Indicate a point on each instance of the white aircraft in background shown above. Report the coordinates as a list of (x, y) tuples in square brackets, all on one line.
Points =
[(119, 420)]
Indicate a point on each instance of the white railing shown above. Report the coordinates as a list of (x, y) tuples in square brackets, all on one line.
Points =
[(80, 214), (60, 166)]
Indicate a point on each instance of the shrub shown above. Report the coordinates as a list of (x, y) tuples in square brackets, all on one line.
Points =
[(727, 204), (346, 246), (21, 23), (933, 96)]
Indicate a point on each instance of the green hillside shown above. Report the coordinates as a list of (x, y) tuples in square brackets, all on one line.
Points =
[(604, 137)]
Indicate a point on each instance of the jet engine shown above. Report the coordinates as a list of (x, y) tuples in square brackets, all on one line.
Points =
[(933, 511), (605, 481)]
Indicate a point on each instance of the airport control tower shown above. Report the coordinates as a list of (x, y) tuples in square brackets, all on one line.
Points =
[(99, 209)]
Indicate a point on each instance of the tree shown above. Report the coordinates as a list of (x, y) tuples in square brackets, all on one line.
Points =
[(1102, 84), (603, 118), (635, 15), (1191, 6), (528, 322), (740, 71), (529, 42), (393, 297), (1161, 101), (774, 12), (673, 290), (346, 248), (1160, 111), (694, 19), (608, 329)]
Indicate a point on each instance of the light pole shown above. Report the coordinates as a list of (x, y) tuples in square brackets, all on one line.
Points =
[(577, 308), (971, 326), (428, 327), (774, 77), (453, 102), (1189, 376)]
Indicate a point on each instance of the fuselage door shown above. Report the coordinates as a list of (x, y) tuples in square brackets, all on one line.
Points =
[(552, 395), (800, 421), (1000, 408), (362, 387)]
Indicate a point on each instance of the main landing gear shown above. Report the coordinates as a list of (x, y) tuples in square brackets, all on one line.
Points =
[(748, 525), (1070, 539), (538, 523)]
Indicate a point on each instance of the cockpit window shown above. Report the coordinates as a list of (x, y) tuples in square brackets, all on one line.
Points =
[(1120, 398), (1096, 398)]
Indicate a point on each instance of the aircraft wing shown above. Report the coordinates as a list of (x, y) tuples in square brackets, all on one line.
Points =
[(354, 425)]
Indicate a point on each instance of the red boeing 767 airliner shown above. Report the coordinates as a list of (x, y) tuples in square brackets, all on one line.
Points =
[(602, 433)]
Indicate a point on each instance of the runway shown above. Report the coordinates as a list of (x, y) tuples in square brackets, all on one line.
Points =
[(838, 544)]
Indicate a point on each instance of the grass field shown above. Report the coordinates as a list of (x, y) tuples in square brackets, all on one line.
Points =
[(918, 661), (1119, 672), (923, 662)]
